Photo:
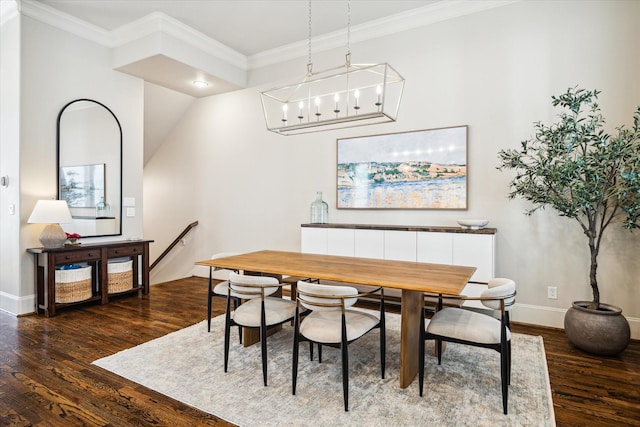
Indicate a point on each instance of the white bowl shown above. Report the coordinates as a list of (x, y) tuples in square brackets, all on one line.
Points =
[(473, 224)]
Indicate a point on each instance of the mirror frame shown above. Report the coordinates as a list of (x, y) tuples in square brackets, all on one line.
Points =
[(119, 231)]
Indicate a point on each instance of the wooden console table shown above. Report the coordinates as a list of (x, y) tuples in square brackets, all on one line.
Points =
[(96, 255)]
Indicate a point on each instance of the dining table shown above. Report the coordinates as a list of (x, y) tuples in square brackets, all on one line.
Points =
[(413, 278)]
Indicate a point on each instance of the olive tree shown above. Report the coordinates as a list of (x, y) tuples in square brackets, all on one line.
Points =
[(575, 167)]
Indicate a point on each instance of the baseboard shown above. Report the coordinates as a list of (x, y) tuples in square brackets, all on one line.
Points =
[(554, 317), (17, 305)]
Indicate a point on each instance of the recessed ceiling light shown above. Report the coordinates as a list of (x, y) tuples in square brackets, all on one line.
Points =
[(200, 83)]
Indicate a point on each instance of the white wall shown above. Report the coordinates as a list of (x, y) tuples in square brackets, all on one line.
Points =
[(9, 166), (55, 68), (494, 71)]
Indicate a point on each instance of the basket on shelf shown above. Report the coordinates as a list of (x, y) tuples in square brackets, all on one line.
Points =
[(73, 285), (119, 276)]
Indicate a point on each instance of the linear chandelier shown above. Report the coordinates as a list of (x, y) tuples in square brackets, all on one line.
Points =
[(345, 96)]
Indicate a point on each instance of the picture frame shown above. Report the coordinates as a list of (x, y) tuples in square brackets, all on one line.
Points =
[(82, 186), (423, 169)]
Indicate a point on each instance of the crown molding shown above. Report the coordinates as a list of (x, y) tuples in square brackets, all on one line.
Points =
[(8, 11), (160, 22), (66, 22), (415, 18)]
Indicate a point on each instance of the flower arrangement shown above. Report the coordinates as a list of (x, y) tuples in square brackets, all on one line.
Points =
[(73, 238)]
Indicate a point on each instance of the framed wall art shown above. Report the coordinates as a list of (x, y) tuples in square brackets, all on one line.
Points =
[(424, 169)]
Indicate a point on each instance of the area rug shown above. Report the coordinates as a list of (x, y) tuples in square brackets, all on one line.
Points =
[(187, 365)]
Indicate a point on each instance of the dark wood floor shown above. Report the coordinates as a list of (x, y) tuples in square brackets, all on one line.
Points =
[(46, 376)]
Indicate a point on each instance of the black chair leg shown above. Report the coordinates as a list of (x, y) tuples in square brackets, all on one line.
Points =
[(421, 354), (263, 340), (209, 302), (310, 351), (235, 307), (345, 365), (296, 344), (439, 341), (383, 347), (319, 353), (503, 377), (227, 332)]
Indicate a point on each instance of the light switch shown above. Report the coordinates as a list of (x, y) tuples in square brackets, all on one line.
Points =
[(128, 201), (131, 211), (12, 209)]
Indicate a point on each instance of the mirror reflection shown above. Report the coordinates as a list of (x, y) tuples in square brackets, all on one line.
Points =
[(90, 168)]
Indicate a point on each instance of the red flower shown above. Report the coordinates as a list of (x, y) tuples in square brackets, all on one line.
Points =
[(73, 235)]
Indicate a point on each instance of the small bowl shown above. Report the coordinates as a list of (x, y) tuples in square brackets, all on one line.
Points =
[(473, 224)]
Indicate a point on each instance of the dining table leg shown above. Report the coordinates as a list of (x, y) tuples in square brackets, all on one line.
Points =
[(411, 310)]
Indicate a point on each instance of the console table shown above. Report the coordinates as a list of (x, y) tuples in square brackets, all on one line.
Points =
[(96, 255)]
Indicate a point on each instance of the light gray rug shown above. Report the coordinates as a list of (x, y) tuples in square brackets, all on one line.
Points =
[(187, 365)]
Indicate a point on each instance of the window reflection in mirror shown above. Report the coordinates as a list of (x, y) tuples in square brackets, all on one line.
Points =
[(90, 168)]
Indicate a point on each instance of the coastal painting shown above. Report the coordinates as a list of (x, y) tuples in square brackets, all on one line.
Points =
[(425, 169)]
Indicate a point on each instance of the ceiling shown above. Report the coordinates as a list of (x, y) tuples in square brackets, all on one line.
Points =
[(246, 26), (174, 43), (170, 44)]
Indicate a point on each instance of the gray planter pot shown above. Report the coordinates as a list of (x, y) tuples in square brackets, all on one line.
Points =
[(604, 332)]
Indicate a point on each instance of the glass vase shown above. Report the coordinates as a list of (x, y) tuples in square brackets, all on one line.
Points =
[(102, 209), (319, 210)]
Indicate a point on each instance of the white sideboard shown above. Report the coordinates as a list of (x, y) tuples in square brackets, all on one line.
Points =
[(440, 245)]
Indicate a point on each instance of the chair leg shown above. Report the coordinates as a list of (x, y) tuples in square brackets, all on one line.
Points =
[(319, 353), (383, 345), (421, 354), (310, 351), (345, 365), (263, 341), (296, 344), (439, 342), (504, 377), (509, 362), (227, 332), (235, 307), (209, 302)]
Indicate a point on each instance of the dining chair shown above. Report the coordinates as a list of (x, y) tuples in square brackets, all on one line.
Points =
[(333, 323), (259, 311), (464, 326), (220, 289)]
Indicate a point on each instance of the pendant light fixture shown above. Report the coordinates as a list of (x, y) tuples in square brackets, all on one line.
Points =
[(345, 96)]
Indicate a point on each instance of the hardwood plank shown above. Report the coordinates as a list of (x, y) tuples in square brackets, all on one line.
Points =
[(46, 376)]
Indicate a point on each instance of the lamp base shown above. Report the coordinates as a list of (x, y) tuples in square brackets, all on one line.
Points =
[(53, 236)]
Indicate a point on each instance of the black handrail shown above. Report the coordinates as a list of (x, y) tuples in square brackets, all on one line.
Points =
[(173, 244)]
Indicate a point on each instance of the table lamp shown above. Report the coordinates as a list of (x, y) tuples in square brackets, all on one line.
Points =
[(53, 213)]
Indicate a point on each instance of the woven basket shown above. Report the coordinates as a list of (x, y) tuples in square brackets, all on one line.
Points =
[(120, 276), (73, 285)]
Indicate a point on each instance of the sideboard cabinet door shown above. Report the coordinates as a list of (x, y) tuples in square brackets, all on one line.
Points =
[(435, 248), (475, 250), (369, 244), (400, 245), (314, 240), (340, 242)]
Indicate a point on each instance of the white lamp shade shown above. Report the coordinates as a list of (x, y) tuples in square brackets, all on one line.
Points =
[(50, 212)]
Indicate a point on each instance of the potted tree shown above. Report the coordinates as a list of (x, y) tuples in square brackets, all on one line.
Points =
[(587, 174)]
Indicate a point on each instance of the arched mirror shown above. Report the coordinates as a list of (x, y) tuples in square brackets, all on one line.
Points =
[(89, 139)]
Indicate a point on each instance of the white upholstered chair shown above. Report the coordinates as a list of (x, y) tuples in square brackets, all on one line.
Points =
[(332, 323), (460, 325), (259, 311), (220, 289)]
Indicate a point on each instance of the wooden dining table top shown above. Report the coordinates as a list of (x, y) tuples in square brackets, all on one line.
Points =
[(406, 275)]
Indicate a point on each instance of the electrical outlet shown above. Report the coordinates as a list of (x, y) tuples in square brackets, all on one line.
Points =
[(552, 292)]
